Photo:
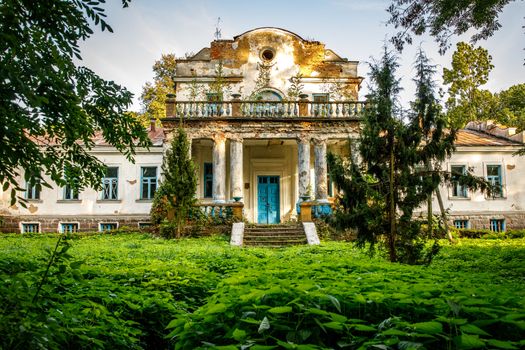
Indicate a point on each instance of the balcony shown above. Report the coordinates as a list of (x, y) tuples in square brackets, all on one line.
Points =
[(237, 108)]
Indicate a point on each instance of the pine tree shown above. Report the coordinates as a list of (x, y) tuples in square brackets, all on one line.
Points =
[(178, 190), (400, 165)]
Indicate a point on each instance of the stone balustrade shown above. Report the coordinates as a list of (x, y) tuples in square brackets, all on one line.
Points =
[(262, 109), (222, 211)]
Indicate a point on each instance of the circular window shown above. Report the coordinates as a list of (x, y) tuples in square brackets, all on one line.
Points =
[(267, 54)]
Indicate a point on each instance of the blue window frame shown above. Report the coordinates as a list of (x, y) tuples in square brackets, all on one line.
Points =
[(458, 190), (70, 193), (495, 178), (497, 225), (148, 180), (30, 227), (104, 227), (461, 223), (110, 184), (68, 227), (208, 180), (33, 190)]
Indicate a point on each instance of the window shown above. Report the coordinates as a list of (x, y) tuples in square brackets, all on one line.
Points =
[(33, 190), (208, 180), (461, 223), (457, 189), (104, 227), (110, 184), (67, 227), (30, 227), (494, 177), (148, 181), (70, 193), (144, 225), (497, 225)]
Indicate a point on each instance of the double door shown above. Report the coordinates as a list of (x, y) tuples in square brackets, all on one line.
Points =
[(268, 199)]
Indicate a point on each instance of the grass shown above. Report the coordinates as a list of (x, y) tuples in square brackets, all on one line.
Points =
[(135, 291)]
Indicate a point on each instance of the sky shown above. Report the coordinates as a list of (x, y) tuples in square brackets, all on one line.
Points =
[(355, 29)]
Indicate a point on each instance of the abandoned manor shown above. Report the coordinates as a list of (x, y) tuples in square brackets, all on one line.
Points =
[(262, 111)]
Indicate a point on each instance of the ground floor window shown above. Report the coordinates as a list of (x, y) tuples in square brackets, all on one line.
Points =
[(32, 227), (461, 224), (107, 226), (497, 225), (144, 225), (68, 227), (208, 180)]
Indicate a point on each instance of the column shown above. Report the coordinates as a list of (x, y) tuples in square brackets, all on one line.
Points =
[(303, 160), (321, 184), (219, 169), (236, 177)]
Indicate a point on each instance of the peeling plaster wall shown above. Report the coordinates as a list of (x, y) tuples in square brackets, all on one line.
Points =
[(241, 58)]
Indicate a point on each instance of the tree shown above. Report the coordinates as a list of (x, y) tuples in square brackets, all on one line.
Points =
[(470, 70), (511, 106), (444, 18), (50, 107), (178, 189), (153, 97), (399, 168)]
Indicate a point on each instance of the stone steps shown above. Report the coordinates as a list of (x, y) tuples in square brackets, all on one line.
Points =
[(274, 236)]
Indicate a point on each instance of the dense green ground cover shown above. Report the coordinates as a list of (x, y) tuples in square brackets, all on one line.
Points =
[(135, 291)]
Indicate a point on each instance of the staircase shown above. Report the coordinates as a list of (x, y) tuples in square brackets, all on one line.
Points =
[(274, 236)]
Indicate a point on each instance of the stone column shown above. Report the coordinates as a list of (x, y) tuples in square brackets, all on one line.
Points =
[(236, 165), (219, 169), (321, 183), (303, 160)]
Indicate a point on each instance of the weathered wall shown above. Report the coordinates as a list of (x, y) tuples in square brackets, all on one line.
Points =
[(241, 59)]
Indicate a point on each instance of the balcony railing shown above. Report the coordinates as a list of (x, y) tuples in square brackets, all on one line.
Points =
[(263, 109)]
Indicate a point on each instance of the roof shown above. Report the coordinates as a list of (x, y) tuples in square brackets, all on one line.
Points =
[(269, 28), (468, 137), (156, 135)]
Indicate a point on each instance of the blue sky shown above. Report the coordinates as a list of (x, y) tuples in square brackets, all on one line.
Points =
[(353, 29)]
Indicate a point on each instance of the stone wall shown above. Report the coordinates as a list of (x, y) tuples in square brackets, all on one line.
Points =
[(513, 220)]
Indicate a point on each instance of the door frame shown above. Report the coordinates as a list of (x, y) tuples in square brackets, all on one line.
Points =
[(278, 199), (266, 167)]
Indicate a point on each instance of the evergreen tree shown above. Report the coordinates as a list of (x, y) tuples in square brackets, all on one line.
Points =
[(396, 174), (177, 192)]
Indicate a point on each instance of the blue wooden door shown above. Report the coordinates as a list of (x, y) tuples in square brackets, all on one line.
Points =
[(268, 200)]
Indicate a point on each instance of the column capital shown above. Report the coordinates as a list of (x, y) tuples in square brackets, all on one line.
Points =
[(303, 138), (320, 140), (236, 138), (218, 138)]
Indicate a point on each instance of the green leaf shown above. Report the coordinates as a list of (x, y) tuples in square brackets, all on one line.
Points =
[(363, 328), (215, 309), (280, 309), (467, 341), (175, 323), (239, 334), (334, 301), (338, 326), (472, 329), (501, 344), (431, 327), (394, 332)]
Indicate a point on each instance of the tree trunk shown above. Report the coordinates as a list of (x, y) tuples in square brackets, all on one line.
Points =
[(429, 207), (392, 238), (444, 215)]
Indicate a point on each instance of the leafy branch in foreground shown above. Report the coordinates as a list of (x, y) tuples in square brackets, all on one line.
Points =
[(51, 108), (444, 18)]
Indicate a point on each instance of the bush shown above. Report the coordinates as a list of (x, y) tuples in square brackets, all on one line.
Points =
[(488, 234)]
